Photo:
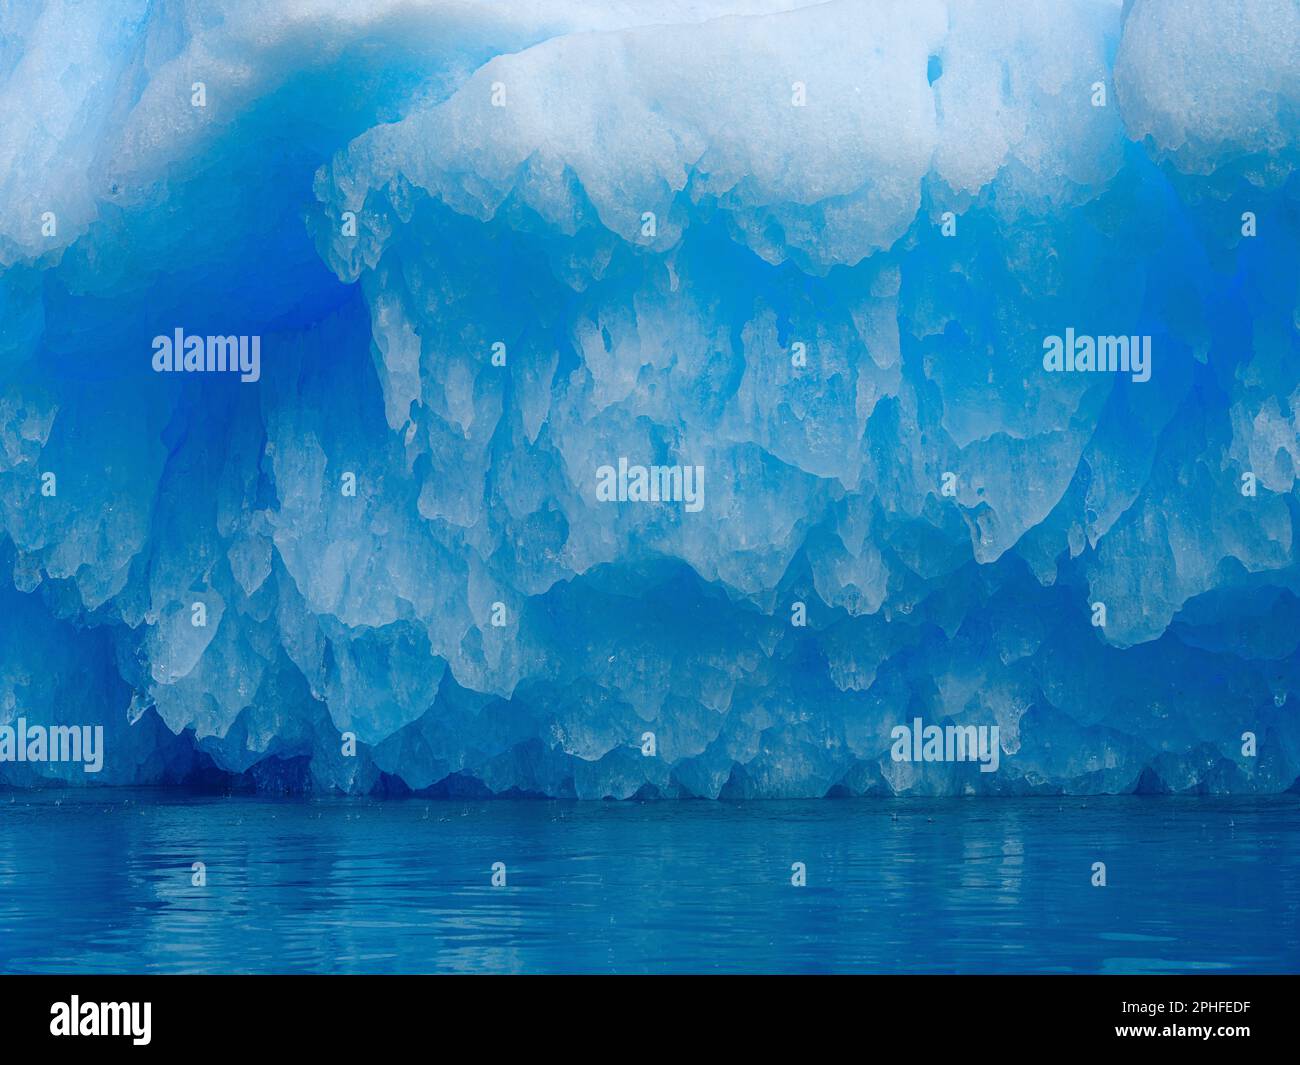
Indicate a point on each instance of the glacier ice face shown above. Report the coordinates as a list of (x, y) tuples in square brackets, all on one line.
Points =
[(1229, 88), (811, 249)]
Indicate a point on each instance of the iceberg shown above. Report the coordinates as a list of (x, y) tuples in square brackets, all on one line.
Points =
[(520, 280)]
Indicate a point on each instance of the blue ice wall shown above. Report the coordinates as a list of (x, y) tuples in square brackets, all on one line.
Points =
[(817, 252)]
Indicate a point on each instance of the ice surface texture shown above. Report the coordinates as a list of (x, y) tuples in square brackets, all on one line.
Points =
[(804, 166)]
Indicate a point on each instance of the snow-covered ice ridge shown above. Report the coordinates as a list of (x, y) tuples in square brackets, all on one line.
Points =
[(530, 278)]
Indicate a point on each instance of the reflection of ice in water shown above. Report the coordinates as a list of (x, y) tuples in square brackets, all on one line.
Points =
[(892, 885)]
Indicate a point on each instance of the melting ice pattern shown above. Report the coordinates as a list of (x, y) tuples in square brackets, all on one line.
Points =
[(812, 250)]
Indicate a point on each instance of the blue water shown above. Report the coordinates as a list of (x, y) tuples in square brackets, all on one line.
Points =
[(102, 883)]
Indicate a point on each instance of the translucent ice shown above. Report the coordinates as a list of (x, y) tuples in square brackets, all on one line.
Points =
[(816, 252)]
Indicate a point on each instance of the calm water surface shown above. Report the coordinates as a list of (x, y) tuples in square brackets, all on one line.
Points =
[(102, 883)]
